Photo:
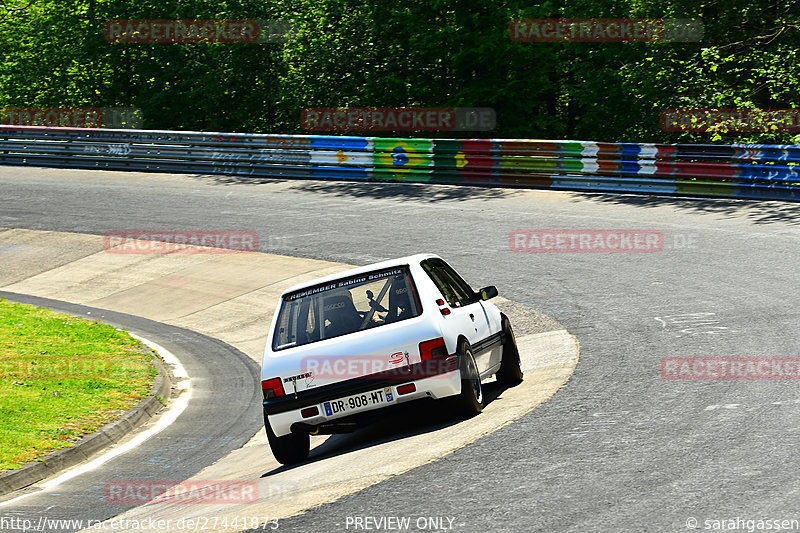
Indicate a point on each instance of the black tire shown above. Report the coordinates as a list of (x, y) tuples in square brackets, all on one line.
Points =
[(289, 449), (470, 401), (510, 372)]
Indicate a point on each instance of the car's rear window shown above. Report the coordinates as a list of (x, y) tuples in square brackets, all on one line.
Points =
[(345, 306)]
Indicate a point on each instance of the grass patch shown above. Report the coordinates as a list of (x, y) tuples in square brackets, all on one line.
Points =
[(62, 378)]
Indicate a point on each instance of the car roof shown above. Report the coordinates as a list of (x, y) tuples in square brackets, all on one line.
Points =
[(407, 260)]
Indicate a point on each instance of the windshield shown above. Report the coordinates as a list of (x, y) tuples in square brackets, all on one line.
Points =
[(345, 306)]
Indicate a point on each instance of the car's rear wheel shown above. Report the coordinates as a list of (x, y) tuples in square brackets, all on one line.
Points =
[(470, 401), (510, 372), (288, 449)]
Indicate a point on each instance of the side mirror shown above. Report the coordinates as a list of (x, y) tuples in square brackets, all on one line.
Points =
[(487, 293)]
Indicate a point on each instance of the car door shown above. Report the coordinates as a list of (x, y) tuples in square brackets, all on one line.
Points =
[(467, 315)]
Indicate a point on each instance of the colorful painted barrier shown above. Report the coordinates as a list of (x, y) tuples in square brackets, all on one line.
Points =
[(735, 171)]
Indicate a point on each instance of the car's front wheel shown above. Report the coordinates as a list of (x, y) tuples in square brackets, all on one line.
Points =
[(288, 449), (510, 372), (470, 401)]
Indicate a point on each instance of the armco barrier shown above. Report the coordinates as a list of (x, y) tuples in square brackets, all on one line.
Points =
[(737, 171)]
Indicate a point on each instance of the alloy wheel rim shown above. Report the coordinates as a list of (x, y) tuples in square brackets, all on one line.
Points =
[(474, 377)]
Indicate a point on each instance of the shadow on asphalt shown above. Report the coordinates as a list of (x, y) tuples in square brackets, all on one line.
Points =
[(400, 422), (757, 211), (238, 180), (402, 191), (369, 190)]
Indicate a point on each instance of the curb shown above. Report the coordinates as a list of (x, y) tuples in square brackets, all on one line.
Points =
[(89, 445)]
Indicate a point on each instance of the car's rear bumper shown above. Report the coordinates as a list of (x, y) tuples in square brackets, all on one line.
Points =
[(286, 413)]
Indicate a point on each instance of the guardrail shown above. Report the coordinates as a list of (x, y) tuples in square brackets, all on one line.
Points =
[(738, 171)]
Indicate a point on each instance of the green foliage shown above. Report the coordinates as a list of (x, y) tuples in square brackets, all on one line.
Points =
[(437, 53)]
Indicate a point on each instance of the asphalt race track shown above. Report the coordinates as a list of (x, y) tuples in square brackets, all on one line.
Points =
[(619, 448)]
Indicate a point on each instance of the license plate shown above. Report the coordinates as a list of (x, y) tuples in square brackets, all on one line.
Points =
[(358, 402)]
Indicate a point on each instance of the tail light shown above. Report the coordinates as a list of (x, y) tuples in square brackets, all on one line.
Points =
[(308, 412), (406, 389), (272, 388), (432, 349)]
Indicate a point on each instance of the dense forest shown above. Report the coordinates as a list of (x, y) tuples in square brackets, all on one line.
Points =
[(427, 53)]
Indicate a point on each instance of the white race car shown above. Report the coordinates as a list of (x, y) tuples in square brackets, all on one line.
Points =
[(343, 346)]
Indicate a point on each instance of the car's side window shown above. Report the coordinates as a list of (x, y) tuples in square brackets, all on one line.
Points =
[(441, 284), (465, 293), (454, 289)]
